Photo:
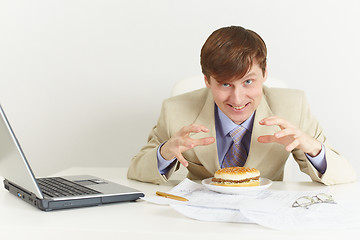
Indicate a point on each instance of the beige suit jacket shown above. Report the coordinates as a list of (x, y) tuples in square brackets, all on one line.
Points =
[(198, 107)]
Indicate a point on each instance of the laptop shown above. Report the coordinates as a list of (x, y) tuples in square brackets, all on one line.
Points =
[(53, 193)]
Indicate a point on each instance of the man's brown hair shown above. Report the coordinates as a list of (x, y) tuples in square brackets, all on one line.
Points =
[(229, 53)]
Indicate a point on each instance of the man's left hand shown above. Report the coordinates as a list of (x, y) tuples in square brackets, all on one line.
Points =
[(290, 136)]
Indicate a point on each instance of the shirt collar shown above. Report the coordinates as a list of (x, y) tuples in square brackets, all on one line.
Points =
[(225, 124)]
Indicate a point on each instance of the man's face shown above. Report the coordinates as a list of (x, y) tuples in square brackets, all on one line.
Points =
[(239, 98)]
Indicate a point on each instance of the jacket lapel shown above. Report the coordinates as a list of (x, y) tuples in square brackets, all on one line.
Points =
[(259, 151), (207, 155)]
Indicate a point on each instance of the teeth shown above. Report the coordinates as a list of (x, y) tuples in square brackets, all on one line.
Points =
[(238, 108)]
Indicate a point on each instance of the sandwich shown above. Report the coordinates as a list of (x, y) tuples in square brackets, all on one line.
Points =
[(236, 177)]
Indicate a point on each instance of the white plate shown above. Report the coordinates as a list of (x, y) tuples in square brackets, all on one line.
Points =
[(264, 183)]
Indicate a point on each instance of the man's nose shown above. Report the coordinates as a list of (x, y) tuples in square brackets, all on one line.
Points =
[(237, 95)]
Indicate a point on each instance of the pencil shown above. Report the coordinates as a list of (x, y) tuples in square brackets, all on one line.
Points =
[(167, 195)]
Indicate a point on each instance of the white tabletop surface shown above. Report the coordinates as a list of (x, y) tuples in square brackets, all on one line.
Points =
[(143, 220)]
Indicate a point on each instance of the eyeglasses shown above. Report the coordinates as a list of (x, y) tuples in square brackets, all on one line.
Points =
[(307, 201)]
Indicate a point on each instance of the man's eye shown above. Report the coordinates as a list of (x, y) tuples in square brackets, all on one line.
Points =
[(248, 82), (226, 85)]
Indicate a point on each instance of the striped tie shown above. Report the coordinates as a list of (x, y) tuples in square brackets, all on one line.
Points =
[(236, 155)]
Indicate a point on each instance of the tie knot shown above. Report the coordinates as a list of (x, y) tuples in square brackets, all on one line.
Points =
[(237, 133)]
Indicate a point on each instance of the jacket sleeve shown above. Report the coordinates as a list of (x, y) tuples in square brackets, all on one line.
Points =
[(338, 168), (144, 166)]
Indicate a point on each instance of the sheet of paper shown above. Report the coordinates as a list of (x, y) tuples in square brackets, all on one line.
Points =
[(317, 217), (199, 195), (211, 214), (272, 209)]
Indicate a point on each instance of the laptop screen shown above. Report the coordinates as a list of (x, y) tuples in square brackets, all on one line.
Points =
[(13, 163)]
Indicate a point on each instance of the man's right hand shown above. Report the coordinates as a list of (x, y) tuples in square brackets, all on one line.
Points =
[(182, 142)]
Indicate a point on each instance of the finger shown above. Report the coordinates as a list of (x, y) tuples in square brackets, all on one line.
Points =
[(267, 139), (286, 132), (190, 143), (182, 160), (292, 145), (187, 143), (273, 120), (193, 128), (267, 119), (270, 121), (203, 141)]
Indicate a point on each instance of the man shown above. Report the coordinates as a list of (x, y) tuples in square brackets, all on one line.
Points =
[(237, 121)]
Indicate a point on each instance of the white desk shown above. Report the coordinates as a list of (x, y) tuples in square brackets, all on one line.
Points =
[(142, 220)]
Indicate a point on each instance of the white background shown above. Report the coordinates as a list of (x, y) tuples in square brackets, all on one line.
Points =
[(82, 81)]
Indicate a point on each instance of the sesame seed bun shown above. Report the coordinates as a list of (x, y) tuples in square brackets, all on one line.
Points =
[(237, 177)]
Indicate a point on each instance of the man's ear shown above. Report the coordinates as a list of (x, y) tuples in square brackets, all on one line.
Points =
[(207, 81), (265, 74)]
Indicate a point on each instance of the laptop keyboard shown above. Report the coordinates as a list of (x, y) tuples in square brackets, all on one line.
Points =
[(60, 187)]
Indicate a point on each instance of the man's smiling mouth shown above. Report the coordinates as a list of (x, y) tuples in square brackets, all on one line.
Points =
[(238, 107)]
